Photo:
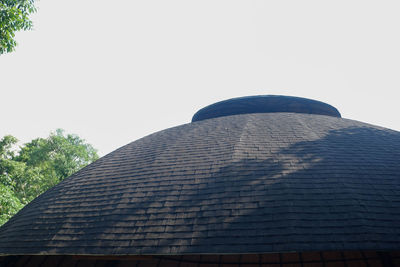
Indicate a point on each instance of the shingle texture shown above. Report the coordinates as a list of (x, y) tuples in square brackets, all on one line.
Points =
[(265, 104), (251, 183)]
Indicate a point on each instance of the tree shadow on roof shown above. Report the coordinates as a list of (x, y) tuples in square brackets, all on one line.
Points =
[(338, 192)]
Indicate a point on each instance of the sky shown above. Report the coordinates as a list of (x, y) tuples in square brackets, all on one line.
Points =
[(113, 72)]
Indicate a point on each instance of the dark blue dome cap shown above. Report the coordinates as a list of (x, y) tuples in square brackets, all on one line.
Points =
[(265, 104)]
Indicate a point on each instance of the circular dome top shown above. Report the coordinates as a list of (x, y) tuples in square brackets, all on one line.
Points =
[(265, 104)]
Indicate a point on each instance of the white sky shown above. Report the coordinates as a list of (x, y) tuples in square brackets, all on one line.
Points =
[(115, 71)]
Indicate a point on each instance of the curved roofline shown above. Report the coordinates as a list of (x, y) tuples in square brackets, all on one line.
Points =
[(265, 104), (255, 183)]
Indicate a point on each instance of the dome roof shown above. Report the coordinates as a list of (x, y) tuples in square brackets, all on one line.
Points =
[(247, 183), (265, 104)]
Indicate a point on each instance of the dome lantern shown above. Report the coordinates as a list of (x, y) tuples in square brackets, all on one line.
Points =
[(265, 104)]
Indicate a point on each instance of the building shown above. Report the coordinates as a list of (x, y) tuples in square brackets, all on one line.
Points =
[(253, 181)]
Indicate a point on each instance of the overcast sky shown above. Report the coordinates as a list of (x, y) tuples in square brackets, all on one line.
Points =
[(113, 72)]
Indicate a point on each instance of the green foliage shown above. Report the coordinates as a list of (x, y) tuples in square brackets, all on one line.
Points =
[(37, 166), (9, 204), (58, 156), (14, 16)]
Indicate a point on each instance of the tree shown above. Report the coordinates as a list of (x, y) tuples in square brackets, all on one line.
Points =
[(9, 203), (14, 16), (38, 165), (58, 156)]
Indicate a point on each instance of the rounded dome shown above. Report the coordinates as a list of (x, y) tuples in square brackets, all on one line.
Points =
[(249, 183), (265, 104)]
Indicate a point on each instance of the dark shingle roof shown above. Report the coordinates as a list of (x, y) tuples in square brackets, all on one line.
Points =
[(265, 104), (250, 183)]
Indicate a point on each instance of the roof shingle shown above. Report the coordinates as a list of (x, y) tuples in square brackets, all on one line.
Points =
[(250, 183)]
